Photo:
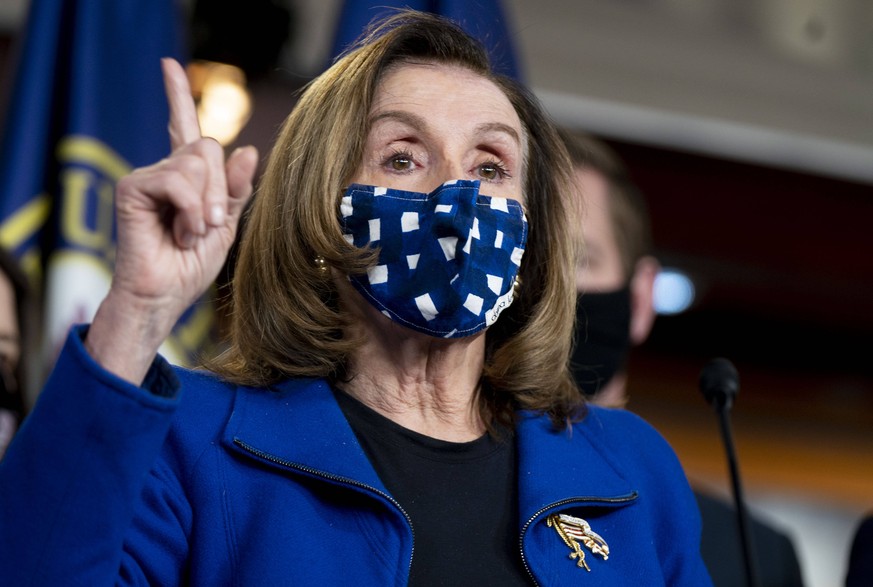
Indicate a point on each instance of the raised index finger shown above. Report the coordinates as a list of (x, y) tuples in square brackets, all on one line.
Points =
[(184, 128)]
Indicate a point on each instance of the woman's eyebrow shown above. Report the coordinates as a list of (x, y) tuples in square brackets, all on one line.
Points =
[(419, 123), (415, 121), (488, 127)]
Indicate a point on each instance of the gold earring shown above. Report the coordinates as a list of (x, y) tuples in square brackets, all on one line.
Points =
[(516, 286), (320, 264)]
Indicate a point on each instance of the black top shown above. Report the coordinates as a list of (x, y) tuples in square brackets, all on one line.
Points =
[(460, 496)]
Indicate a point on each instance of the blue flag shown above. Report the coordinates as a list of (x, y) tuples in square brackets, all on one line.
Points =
[(87, 106), (483, 19)]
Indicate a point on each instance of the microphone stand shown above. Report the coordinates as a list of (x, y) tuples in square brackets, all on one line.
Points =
[(719, 382)]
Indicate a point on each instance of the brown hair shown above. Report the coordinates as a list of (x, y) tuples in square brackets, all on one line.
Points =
[(286, 321), (627, 206)]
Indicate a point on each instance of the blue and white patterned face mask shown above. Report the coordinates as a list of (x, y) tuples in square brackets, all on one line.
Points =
[(447, 260)]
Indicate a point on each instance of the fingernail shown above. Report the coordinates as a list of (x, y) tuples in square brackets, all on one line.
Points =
[(216, 215), (188, 240)]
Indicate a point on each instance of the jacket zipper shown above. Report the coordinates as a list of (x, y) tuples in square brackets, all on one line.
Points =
[(558, 504), (335, 478)]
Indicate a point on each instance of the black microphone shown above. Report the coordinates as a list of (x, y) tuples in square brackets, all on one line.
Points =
[(720, 384)]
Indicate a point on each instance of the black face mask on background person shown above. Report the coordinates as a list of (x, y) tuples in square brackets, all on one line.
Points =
[(602, 338)]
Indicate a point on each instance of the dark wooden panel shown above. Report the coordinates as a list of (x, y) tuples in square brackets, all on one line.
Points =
[(783, 260)]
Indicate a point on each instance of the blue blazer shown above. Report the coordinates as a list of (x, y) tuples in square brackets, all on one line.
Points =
[(196, 482)]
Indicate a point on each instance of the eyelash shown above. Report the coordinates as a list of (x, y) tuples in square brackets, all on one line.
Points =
[(499, 165)]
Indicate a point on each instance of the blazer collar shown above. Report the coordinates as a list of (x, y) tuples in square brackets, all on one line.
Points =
[(557, 468), (298, 424)]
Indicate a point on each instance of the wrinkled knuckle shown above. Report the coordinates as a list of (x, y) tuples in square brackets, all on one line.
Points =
[(192, 166), (127, 184), (210, 147), (183, 199), (123, 184), (212, 143)]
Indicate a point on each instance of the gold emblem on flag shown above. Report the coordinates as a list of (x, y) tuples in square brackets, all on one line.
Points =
[(574, 530)]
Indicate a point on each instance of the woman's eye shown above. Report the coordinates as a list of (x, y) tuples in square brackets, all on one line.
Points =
[(400, 162), (492, 171)]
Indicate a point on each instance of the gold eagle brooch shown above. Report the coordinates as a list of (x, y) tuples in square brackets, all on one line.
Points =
[(574, 530)]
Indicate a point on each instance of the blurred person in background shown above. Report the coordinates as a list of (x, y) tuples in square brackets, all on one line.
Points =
[(617, 275), (15, 316), (615, 311)]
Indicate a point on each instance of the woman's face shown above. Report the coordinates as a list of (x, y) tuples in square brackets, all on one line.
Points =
[(431, 123)]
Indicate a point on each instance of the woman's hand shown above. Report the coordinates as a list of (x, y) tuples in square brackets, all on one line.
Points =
[(176, 222)]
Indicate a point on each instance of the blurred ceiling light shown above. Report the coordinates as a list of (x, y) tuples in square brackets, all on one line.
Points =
[(224, 105), (673, 292)]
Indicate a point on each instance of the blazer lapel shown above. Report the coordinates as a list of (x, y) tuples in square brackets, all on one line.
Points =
[(298, 424)]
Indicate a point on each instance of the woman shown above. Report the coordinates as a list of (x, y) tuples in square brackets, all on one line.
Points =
[(394, 407)]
